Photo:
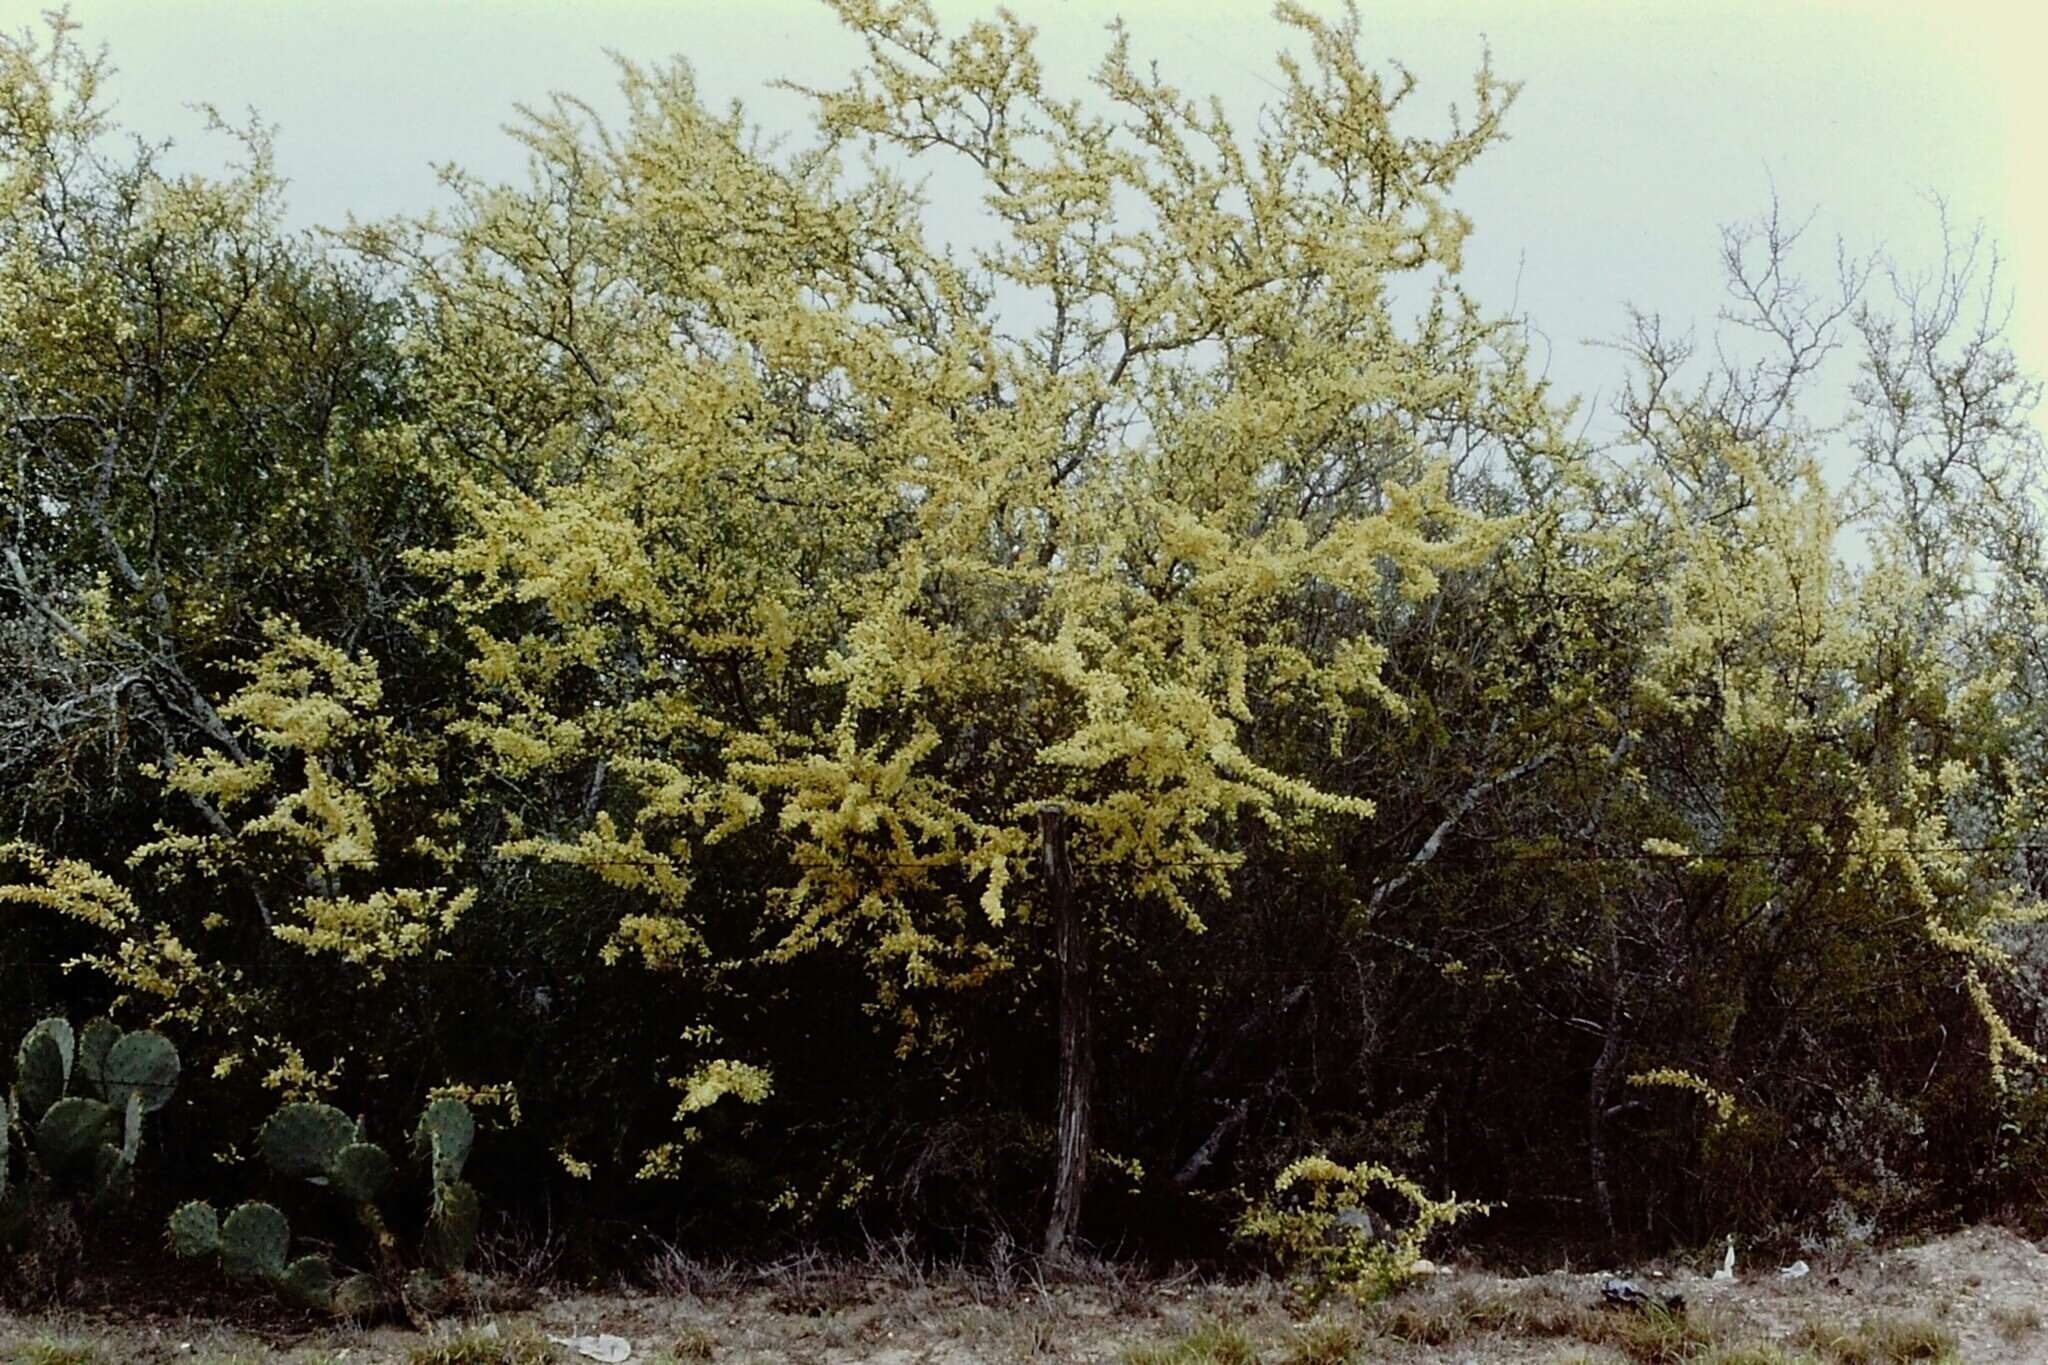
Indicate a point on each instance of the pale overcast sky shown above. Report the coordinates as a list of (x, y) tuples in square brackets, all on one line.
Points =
[(1641, 128)]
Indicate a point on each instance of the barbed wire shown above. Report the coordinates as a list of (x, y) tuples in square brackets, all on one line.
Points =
[(956, 858), (1447, 864), (1435, 869)]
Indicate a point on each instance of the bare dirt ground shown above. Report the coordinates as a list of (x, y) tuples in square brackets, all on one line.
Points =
[(1973, 1296)]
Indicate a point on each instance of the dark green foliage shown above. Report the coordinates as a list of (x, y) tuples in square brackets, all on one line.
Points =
[(15, 1211)]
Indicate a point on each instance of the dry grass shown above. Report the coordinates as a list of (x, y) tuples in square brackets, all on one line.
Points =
[(484, 1346), (519, 1262), (1324, 1343), (113, 1348), (1888, 1340), (1971, 1297), (1437, 1321), (1208, 1343), (1545, 1312), (49, 1352), (2016, 1324), (693, 1343)]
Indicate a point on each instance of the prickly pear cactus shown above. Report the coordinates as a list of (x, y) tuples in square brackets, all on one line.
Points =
[(80, 1099), (445, 1134), (95, 1041), (80, 1138), (43, 1066), (253, 1242), (302, 1139), (139, 1064), (71, 1132), (359, 1172), (451, 1227), (309, 1281), (324, 1146), (131, 1129), (359, 1296), (195, 1230)]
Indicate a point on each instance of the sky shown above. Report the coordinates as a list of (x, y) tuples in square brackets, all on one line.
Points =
[(1642, 127)]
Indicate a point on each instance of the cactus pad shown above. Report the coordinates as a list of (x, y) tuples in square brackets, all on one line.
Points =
[(253, 1242), (430, 1295), (73, 1131), (451, 1228), (302, 1139), (445, 1134), (142, 1062), (113, 1176), (89, 1067), (358, 1295), (310, 1280), (359, 1172), (195, 1229), (131, 1128), (58, 1030), (42, 1066)]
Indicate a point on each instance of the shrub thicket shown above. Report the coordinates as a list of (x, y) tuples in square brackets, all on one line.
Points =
[(606, 654)]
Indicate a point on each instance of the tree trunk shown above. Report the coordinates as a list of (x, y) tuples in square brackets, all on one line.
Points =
[(1602, 1081), (1077, 1041)]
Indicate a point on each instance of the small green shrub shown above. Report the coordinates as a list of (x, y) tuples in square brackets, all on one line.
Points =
[(1326, 1235)]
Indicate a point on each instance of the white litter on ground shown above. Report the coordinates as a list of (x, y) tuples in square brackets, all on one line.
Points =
[(605, 1347), (1727, 1270)]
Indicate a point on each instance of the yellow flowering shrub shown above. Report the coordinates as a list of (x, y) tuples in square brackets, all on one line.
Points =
[(1316, 1224)]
